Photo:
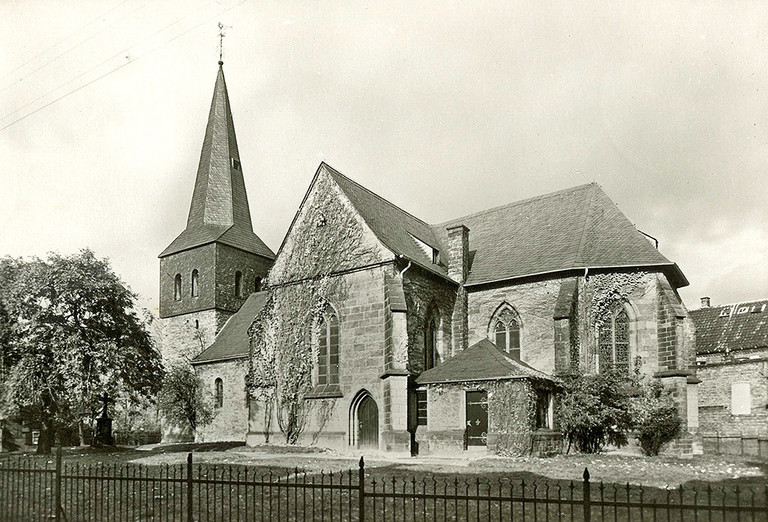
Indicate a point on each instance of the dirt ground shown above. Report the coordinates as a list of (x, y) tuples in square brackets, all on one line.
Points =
[(610, 468)]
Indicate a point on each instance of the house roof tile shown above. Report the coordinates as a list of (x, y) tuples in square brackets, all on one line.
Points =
[(233, 342), (733, 327), (481, 361)]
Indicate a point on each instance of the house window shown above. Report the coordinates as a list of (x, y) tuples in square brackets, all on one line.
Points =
[(506, 333), (239, 284), (195, 290), (543, 409), (328, 349), (218, 393), (614, 342), (257, 285), (421, 408), (430, 344), (177, 288), (741, 399)]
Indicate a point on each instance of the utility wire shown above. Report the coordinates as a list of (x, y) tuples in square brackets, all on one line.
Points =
[(63, 40), (120, 66), (71, 49), (91, 69)]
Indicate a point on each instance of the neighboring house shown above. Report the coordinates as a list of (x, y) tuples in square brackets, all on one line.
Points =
[(422, 338), (732, 356)]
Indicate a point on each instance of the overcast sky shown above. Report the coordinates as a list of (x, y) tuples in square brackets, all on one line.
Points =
[(444, 108)]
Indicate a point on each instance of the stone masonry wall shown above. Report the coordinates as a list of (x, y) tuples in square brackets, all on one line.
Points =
[(185, 336), (230, 260), (715, 395), (361, 316), (424, 294), (535, 304), (202, 259), (231, 420)]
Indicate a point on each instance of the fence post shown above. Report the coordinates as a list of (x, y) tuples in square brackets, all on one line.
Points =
[(361, 491), (58, 483), (189, 487), (587, 498)]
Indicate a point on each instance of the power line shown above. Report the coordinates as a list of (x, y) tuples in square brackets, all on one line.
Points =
[(71, 49), (120, 66), (63, 39), (89, 70)]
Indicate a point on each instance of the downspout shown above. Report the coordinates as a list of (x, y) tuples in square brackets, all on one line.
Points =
[(400, 256)]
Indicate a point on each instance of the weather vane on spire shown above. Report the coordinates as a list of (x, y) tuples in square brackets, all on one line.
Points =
[(222, 34)]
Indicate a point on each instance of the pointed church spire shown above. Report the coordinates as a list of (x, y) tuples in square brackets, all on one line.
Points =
[(219, 210), (219, 196)]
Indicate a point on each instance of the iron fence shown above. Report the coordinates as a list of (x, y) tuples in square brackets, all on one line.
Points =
[(34, 490)]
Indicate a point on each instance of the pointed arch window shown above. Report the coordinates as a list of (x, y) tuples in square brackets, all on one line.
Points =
[(328, 348), (239, 284), (218, 393), (506, 332), (431, 355), (613, 342), (177, 288), (195, 289)]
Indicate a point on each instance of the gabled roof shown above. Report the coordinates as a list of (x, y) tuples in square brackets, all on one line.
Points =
[(233, 342), (480, 362), (393, 226), (740, 326), (219, 210), (576, 228)]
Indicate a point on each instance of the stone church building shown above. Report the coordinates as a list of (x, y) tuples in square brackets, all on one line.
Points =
[(389, 333)]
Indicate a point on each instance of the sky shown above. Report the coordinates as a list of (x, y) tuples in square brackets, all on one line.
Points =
[(444, 108)]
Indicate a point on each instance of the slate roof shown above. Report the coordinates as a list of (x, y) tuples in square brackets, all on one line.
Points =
[(219, 210), (393, 226), (481, 361), (232, 342), (740, 326), (575, 228)]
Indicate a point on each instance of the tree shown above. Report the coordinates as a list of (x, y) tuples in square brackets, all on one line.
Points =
[(595, 411), (182, 398), (656, 418), (74, 335)]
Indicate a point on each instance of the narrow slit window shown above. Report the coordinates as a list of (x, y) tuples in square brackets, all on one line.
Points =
[(328, 349), (421, 408), (195, 289), (219, 393), (177, 288), (257, 285), (239, 284)]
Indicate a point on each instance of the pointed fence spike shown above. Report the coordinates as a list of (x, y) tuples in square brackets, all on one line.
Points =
[(586, 474)]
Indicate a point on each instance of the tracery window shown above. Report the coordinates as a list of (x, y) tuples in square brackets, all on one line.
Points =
[(431, 356), (613, 342), (177, 288), (195, 276), (506, 333), (328, 348)]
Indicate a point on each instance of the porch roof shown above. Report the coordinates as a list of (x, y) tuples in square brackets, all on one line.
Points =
[(480, 362)]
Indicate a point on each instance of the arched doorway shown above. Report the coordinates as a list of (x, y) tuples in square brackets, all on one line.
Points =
[(365, 422)]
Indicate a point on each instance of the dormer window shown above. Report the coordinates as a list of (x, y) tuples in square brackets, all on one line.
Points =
[(177, 288), (435, 256), (235, 163)]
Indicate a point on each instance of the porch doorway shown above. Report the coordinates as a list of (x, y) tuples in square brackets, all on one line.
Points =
[(477, 418), (365, 415)]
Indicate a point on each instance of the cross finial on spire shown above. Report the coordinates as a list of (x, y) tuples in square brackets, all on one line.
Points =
[(222, 34)]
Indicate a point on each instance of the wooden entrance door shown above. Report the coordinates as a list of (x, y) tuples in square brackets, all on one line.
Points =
[(368, 424), (477, 418)]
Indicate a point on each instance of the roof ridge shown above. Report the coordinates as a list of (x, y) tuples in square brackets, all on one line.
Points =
[(374, 194), (519, 202), (714, 307)]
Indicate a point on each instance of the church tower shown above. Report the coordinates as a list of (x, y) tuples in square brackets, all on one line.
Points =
[(208, 271)]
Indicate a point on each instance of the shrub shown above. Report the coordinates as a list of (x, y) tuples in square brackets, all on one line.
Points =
[(595, 411), (183, 399), (656, 420)]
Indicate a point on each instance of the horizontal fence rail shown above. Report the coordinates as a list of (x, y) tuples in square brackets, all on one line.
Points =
[(34, 489)]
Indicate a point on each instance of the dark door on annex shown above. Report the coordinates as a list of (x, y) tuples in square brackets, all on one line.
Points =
[(477, 418), (368, 424)]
